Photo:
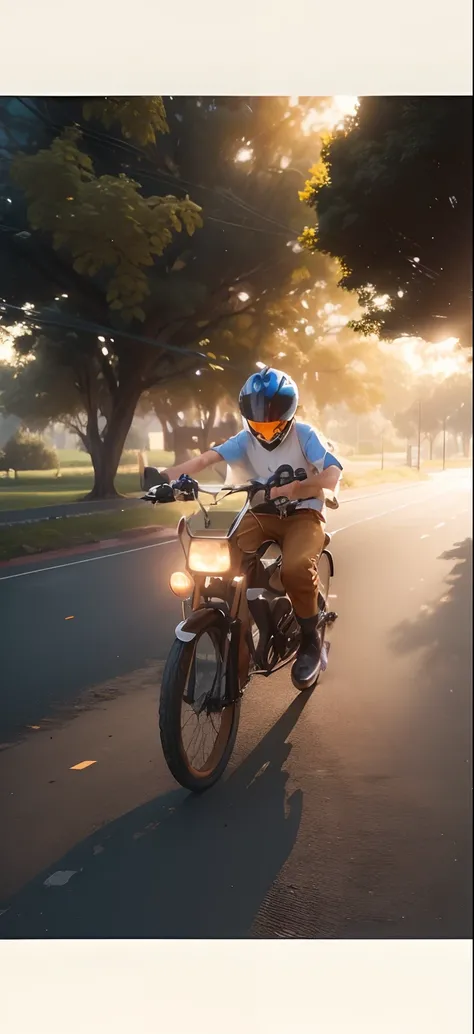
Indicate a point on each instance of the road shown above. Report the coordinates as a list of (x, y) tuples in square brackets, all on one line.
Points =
[(345, 813)]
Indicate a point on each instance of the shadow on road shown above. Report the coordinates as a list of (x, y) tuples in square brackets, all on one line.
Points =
[(445, 627), (443, 632), (442, 703), (179, 866)]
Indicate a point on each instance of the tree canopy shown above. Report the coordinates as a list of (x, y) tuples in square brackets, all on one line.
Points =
[(173, 226), (25, 451), (106, 198), (392, 195)]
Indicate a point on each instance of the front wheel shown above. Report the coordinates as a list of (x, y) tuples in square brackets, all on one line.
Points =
[(197, 737)]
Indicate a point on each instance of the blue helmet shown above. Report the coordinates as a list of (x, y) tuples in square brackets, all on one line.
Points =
[(268, 402)]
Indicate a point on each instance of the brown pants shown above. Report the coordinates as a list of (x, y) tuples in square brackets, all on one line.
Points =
[(301, 539)]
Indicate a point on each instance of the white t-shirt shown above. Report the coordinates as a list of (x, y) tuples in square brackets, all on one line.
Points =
[(247, 458)]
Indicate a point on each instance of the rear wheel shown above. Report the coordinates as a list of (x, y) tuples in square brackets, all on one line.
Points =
[(197, 737)]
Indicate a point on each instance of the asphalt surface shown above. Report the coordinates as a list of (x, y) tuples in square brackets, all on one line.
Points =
[(346, 813)]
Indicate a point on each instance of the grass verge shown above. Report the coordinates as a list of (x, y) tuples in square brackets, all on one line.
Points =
[(68, 532), (390, 476), (37, 488), (42, 488)]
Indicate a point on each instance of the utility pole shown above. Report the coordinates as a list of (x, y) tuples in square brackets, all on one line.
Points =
[(419, 435), (444, 442)]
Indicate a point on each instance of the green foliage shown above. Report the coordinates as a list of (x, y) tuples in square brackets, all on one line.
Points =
[(25, 451), (393, 202), (108, 251), (103, 222), (140, 118)]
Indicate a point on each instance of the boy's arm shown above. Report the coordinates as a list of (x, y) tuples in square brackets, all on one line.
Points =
[(314, 484), (194, 466), (232, 451)]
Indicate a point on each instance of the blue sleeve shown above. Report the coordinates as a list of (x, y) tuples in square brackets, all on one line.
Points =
[(314, 449), (234, 450)]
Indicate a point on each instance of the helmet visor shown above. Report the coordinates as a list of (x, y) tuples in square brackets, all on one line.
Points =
[(269, 430)]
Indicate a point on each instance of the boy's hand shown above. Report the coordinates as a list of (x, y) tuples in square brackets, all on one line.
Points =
[(290, 491)]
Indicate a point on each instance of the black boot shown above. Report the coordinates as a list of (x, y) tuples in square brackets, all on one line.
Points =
[(305, 669)]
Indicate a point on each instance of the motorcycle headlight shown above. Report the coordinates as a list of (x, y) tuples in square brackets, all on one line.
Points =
[(209, 556), (181, 584)]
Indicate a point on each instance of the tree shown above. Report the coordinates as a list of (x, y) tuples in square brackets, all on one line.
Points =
[(119, 256), (309, 336), (25, 451), (393, 200), (440, 404), (454, 398), (39, 387), (422, 415), (303, 332)]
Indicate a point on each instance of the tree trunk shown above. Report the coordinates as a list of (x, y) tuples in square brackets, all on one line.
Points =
[(431, 441), (104, 473), (466, 444), (105, 452)]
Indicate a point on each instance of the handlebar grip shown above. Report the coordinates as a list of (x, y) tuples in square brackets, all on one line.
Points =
[(159, 494)]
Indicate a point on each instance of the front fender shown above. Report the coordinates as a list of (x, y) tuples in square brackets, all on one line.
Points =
[(198, 621)]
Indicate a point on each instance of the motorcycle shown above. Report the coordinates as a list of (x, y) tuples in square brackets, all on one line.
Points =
[(236, 623)]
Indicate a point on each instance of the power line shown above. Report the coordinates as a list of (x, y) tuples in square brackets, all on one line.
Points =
[(34, 317), (169, 179)]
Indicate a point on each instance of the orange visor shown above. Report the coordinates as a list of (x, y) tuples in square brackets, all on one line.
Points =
[(269, 429)]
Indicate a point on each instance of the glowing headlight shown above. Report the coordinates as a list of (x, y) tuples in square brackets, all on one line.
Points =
[(181, 584), (209, 556)]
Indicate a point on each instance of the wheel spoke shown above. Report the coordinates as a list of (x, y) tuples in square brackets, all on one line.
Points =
[(200, 743)]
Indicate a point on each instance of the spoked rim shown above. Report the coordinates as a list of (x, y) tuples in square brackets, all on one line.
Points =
[(324, 573), (204, 734)]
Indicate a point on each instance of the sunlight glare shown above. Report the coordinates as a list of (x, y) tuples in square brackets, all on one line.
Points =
[(331, 117), (382, 302), (441, 360), (244, 154)]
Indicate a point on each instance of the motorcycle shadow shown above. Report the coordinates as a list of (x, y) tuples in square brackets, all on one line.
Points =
[(179, 866)]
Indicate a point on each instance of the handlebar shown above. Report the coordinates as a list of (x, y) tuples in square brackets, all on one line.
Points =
[(186, 488)]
